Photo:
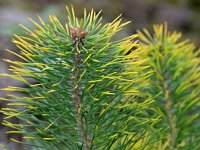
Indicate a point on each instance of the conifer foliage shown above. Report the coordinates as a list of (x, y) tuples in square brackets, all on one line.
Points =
[(175, 87), (84, 90), (86, 86)]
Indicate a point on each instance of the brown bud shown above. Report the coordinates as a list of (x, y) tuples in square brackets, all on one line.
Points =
[(73, 32), (83, 34)]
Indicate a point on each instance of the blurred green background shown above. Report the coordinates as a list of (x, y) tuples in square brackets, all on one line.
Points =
[(181, 15)]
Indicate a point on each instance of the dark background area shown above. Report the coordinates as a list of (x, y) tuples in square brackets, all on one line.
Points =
[(181, 15)]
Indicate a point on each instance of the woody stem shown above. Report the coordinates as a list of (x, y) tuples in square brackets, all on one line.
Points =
[(77, 97)]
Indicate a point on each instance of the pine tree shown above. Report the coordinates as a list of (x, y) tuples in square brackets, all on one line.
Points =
[(87, 91)]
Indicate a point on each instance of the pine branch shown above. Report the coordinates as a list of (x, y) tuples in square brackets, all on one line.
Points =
[(175, 87), (88, 90)]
